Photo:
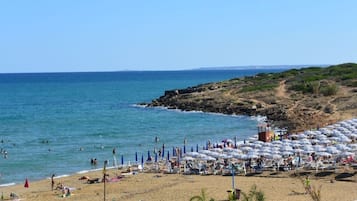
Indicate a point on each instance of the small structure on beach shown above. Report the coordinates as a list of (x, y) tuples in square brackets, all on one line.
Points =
[(265, 133)]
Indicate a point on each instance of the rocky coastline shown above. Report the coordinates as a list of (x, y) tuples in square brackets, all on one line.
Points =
[(298, 100)]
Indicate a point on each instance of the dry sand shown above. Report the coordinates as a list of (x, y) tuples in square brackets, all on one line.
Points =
[(158, 186)]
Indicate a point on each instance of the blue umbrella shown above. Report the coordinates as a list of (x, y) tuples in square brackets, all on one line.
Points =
[(136, 157), (142, 159), (155, 157), (197, 148), (163, 150), (173, 151), (149, 156), (168, 155), (191, 149), (122, 160), (184, 149)]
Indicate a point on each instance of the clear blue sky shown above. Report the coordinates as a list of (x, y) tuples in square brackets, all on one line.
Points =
[(95, 35)]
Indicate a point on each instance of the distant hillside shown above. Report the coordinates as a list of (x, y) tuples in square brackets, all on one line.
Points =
[(297, 99), (258, 67)]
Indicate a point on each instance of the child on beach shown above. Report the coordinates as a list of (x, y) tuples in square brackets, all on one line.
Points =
[(307, 184)]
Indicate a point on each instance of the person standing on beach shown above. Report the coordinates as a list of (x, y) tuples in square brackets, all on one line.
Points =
[(114, 158), (52, 181), (307, 184)]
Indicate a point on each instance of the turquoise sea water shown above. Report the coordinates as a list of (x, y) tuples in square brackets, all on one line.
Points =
[(56, 122)]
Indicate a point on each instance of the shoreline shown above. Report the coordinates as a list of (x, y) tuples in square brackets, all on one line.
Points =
[(337, 175)]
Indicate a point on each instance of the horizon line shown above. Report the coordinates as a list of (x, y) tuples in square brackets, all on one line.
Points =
[(238, 67)]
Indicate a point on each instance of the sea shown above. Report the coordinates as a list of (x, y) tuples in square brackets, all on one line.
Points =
[(55, 123)]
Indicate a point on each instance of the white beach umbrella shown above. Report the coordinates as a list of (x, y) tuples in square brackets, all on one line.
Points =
[(245, 149), (187, 158), (353, 136), (235, 155), (295, 143), (333, 139), (275, 156), (319, 148), (210, 158), (293, 136), (332, 150), (259, 142), (325, 141), (265, 154), (343, 147), (286, 141), (321, 136), (227, 149), (237, 151), (252, 155), (346, 154), (324, 154), (287, 153), (277, 142), (353, 146), (301, 136), (204, 151), (200, 156), (226, 156), (192, 154), (298, 150), (308, 132), (314, 141), (304, 142), (257, 145), (308, 151), (253, 139), (286, 148), (308, 147), (217, 150), (273, 151), (344, 139), (213, 154)]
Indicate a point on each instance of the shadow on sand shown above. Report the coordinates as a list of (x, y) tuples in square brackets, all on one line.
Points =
[(345, 176)]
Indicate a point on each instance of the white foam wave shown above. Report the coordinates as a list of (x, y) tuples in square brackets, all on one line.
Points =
[(8, 184), (61, 176)]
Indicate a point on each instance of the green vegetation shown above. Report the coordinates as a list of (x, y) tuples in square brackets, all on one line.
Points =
[(313, 80), (323, 80), (259, 87), (202, 197), (253, 195)]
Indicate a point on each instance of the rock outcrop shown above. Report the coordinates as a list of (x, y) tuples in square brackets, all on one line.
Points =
[(296, 99)]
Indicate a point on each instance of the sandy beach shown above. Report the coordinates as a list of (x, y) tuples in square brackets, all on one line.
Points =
[(279, 186)]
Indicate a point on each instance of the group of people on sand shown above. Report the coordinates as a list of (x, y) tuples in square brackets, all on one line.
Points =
[(65, 191)]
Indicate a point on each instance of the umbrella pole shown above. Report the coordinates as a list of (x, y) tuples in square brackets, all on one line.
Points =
[(104, 177), (233, 187)]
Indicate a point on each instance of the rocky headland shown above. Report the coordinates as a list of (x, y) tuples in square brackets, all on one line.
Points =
[(296, 99)]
